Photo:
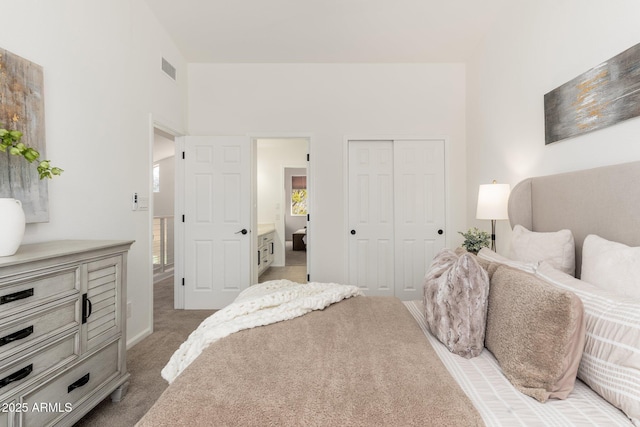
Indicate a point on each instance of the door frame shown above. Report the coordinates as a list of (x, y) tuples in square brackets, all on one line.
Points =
[(254, 191), (393, 137), (156, 122)]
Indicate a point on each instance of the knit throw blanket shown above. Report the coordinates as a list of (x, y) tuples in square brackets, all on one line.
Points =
[(258, 305)]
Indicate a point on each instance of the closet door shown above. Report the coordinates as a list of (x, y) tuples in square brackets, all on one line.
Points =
[(396, 214), (371, 259), (419, 200)]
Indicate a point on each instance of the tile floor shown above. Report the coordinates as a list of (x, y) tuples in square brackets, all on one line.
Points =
[(295, 268)]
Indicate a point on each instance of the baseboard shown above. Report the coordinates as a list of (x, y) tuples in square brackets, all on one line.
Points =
[(135, 340)]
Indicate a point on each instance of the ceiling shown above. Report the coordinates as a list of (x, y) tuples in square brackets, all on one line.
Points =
[(326, 31)]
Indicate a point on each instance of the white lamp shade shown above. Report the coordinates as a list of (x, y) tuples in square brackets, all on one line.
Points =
[(492, 201)]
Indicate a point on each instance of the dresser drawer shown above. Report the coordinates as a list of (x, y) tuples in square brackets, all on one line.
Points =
[(46, 359), (32, 329), (40, 288), (72, 386)]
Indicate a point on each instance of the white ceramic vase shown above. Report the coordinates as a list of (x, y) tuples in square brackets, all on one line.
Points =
[(12, 223)]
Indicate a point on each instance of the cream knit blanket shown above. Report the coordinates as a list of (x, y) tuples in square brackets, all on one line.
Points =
[(258, 305)]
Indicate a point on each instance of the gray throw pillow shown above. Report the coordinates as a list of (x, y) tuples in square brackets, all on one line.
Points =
[(456, 290)]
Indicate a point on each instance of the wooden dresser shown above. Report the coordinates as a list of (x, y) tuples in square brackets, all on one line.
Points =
[(62, 330)]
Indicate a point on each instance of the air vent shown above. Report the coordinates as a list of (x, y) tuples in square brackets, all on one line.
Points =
[(168, 69)]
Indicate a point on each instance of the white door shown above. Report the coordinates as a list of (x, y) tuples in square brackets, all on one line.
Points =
[(396, 214), (419, 212), (371, 261), (217, 232)]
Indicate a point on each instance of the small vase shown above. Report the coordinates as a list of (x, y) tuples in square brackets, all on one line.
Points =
[(12, 224)]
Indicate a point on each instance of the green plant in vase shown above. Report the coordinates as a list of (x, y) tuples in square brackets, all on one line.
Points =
[(475, 239), (10, 141)]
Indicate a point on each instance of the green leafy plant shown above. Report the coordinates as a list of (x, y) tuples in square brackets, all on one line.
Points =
[(10, 140), (475, 239)]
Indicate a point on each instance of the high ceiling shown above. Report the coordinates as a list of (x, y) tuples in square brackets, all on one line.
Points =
[(343, 31)]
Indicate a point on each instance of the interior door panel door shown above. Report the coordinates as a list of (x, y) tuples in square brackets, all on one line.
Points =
[(217, 220)]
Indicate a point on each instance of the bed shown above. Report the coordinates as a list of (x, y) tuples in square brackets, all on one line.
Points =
[(374, 361)]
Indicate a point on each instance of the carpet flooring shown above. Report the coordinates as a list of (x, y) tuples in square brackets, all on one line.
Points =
[(171, 327), (145, 361)]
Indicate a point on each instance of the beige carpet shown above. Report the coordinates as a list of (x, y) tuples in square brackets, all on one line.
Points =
[(146, 359)]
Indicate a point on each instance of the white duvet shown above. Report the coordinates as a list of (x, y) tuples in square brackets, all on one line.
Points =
[(259, 305)]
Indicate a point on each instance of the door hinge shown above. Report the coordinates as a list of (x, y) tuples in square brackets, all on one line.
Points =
[(308, 277), (183, 281), (182, 218), (183, 155), (308, 217), (307, 157)]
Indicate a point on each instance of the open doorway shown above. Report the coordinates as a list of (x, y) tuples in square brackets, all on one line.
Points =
[(282, 208), (163, 205), (162, 217)]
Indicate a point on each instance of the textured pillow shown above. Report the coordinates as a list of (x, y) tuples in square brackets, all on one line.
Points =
[(455, 301), (611, 360), (557, 248), (611, 266), (536, 332)]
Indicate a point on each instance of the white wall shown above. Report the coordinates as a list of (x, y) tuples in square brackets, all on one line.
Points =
[(330, 102), (102, 80), (273, 155), (537, 47)]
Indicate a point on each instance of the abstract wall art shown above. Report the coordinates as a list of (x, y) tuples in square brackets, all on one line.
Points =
[(22, 109), (603, 96)]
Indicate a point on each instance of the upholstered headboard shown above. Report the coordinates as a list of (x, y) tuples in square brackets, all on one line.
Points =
[(603, 201)]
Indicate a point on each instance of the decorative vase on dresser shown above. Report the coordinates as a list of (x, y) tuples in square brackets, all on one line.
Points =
[(12, 224), (62, 330)]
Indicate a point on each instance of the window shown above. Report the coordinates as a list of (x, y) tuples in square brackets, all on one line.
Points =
[(298, 195)]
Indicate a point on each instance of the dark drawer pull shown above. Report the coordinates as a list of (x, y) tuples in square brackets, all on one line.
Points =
[(82, 381), (16, 376), (5, 299), (16, 336), (87, 308)]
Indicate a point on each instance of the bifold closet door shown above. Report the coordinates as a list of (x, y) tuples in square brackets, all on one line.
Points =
[(396, 214), (371, 262)]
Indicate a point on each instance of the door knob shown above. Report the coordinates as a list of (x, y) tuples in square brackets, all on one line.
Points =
[(243, 231), (353, 231), (440, 231)]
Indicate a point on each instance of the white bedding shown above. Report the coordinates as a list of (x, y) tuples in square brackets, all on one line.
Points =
[(500, 404)]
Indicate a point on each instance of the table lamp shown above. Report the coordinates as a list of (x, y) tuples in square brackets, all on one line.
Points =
[(492, 205)]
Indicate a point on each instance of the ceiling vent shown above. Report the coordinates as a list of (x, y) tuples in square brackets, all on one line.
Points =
[(168, 69)]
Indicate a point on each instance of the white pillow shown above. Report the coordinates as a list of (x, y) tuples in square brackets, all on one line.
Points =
[(610, 362), (557, 248), (612, 266), (489, 255)]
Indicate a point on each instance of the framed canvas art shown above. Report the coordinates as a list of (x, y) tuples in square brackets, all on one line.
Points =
[(22, 109)]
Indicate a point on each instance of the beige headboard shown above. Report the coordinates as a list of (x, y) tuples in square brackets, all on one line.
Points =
[(603, 201)]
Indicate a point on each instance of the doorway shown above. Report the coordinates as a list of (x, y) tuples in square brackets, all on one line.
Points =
[(163, 205), (282, 205), (161, 215)]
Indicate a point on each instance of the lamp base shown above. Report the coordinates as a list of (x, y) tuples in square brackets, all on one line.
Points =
[(493, 235)]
